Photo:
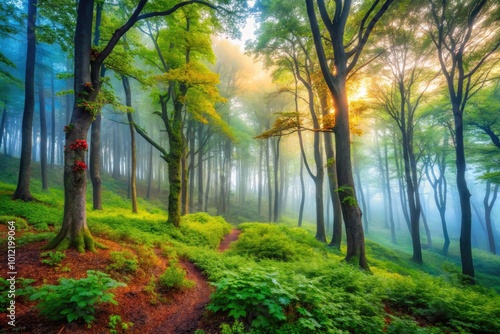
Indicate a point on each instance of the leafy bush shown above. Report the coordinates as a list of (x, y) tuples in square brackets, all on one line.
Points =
[(174, 278), (202, 230), (123, 262), (75, 299), (52, 258), (274, 300), (256, 296), (265, 242)]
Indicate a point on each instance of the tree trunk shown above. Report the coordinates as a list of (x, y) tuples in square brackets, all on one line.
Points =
[(23, 184), (94, 163), (2, 128), (464, 195), (276, 181), (200, 169), (52, 119), (192, 143), (389, 194), (174, 158), (402, 188), (331, 166), (269, 186), (133, 168), (347, 193), (74, 231), (95, 132), (43, 133), (150, 172), (302, 191), (361, 195), (207, 188), (412, 195), (259, 185), (488, 207), (116, 152)]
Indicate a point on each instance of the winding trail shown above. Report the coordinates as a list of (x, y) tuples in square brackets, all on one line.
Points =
[(228, 239), (187, 314)]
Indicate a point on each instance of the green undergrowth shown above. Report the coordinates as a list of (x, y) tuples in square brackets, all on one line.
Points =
[(275, 278)]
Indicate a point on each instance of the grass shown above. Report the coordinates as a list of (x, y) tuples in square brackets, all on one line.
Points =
[(277, 278)]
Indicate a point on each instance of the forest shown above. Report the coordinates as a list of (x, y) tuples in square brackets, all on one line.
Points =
[(250, 166)]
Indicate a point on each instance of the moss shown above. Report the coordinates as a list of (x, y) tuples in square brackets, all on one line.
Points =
[(61, 246), (82, 241)]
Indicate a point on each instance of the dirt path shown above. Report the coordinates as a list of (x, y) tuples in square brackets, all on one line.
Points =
[(228, 239), (186, 314)]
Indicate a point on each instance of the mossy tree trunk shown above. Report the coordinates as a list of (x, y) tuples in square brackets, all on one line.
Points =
[(74, 231)]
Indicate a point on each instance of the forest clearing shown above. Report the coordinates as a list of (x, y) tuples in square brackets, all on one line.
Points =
[(235, 166)]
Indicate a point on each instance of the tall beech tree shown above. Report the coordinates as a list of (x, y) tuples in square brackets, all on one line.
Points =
[(466, 35), (405, 63), (88, 62), (22, 191), (346, 57)]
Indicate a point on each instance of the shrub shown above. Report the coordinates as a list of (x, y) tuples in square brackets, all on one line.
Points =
[(52, 258), (174, 278), (265, 242), (256, 296), (123, 262), (202, 230), (75, 299)]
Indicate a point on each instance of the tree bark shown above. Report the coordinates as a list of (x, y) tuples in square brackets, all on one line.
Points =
[(269, 184), (2, 127), (52, 120), (464, 195), (260, 173), (95, 132), (276, 154), (133, 168), (150, 172), (200, 169), (389, 194), (43, 133), (488, 207), (22, 191), (74, 231)]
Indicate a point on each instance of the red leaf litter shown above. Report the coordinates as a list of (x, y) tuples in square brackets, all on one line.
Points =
[(182, 312)]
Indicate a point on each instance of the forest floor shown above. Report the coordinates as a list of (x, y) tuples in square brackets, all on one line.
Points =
[(178, 312)]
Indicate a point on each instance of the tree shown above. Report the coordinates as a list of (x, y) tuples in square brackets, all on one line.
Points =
[(88, 62), (409, 79), (435, 163), (22, 191), (345, 60), (466, 35)]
